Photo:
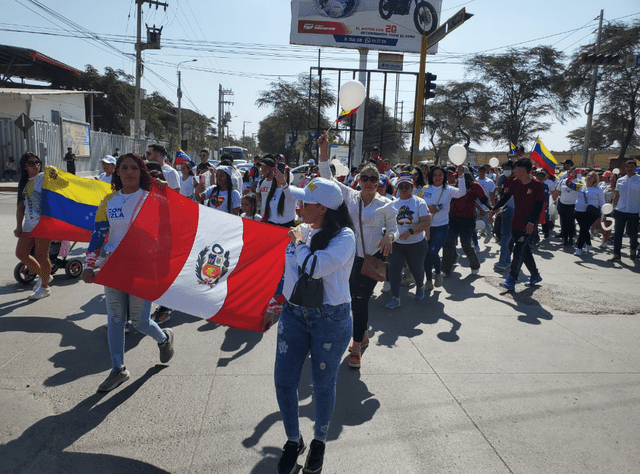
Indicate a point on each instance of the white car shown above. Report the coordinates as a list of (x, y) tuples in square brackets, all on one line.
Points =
[(298, 173)]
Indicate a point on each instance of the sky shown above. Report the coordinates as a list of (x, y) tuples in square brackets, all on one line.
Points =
[(244, 46)]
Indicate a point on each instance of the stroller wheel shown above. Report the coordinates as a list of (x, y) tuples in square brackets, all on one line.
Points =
[(22, 274), (73, 268)]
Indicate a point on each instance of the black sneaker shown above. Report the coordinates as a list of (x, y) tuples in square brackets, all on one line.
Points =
[(166, 348), (289, 459), (314, 458)]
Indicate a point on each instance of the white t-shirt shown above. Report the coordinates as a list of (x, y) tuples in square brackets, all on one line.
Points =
[(219, 200), (256, 217), (408, 214), (629, 198), (441, 199), (187, 188), (594, 196), (172, 176), (105, 178), (567, 196), (487, 184), (32, 195)]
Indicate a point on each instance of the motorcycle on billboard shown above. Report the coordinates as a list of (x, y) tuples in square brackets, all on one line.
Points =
[(424, 15)]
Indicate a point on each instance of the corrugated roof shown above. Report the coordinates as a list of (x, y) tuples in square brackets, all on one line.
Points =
[(22, 63)]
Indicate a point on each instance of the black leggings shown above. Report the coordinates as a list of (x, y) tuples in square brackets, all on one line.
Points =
[(361, 288), (585, 221)]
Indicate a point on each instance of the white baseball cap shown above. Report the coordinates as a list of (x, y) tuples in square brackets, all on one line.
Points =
[(323, 191), (109, 159)]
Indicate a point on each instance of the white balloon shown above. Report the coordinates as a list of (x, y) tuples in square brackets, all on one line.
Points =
[(351, 95), (457, 154), (606, 226), (341, 168), (607, 208), (494, 162), (479, 226), (616, 171)]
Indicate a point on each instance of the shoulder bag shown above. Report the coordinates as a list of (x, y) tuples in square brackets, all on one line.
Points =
[(372, 267), (592, 210), (308, 291)]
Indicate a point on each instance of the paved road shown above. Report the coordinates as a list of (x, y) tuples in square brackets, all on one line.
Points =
[(470, 380)]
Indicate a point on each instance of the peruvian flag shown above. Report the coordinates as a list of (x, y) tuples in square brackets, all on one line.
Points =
[(198, 260)]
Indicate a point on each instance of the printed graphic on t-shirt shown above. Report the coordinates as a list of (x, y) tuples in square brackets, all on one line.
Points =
[(216, 201), (115, 213), (405, 216)]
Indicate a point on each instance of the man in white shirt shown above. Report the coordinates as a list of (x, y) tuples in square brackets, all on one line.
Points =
[(108, 166), (157, 153), (490, 190), (626, 201)]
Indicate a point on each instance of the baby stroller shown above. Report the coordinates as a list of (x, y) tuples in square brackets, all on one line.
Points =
[(58, 253)]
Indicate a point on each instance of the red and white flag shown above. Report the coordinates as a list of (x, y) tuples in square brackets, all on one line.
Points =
[(198, 260)]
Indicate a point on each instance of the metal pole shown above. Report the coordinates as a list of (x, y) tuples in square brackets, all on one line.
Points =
[(417, 116), (592, 98), (136, 129), (361, 111), (179, 110)]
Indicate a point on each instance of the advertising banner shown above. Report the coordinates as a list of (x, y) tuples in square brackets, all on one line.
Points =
[(392, 25), (76, 135)]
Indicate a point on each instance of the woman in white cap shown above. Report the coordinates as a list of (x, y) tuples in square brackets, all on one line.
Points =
[(375, 226), (222, 195), (325, 242), (413, 220), (108, 167)]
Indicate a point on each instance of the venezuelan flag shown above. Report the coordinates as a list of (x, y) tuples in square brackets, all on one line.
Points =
[(512, 148), (543, 157), (346, 113), (69, 206), (182, 157)]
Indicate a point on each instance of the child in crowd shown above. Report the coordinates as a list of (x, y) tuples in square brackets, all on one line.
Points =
[(249, 206)]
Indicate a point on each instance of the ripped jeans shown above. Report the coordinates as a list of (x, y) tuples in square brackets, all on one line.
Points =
[(120, 307), (325, 332)]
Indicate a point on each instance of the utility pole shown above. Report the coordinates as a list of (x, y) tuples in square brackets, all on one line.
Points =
[(243, 135), (140, 46), (222, 117), (592, 98), (180, 101)]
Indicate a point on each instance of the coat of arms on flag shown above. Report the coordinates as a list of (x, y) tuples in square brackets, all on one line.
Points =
[(209, 269)]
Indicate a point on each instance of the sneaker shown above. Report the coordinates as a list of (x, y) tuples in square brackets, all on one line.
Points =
[(355, 358), (166, 348), (394, 303), (386, 287), (533, 280), (38, 281), (501, 266), (289, 459), (587, 248), (315, 458), (161, 318), (509, 283), (604, 244), (437, 280), (477, 248), (578, 252), (475, 271), (615, 258), (419, 293), (42, 292), (115, 379), (428, 285), (363, 344)]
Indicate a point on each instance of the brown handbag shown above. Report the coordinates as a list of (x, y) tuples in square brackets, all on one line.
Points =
[(372, 267)]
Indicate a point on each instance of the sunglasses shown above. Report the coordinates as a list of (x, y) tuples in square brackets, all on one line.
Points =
[(371, 179), (33, 163), (404, 186)]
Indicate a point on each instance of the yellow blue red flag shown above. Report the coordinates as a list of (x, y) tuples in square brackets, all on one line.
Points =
[(182, 157), (346, 113), (69, 206), (543, 157), (512, 148)]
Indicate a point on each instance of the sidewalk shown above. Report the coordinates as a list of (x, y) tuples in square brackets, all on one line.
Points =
[(472, 379)]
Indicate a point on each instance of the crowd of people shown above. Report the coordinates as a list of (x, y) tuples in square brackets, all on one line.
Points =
[(401, 226)]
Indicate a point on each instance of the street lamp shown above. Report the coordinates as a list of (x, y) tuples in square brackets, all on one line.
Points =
[(180, 101)]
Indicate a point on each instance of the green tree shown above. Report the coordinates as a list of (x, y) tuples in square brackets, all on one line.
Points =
[(295, 111), (460, 113), (527, 86), (618, 94), (381, 130)]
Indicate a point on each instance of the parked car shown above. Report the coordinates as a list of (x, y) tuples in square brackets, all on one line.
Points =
[(298, 173)]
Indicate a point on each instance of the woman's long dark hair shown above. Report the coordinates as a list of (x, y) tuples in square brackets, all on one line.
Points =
[(272, 191), (444, 174), (146, 181), (332, 224), (229, 191), (24, 174)]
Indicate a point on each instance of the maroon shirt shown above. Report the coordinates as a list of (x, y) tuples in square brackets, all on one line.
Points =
[(524, 198), (466, 205)]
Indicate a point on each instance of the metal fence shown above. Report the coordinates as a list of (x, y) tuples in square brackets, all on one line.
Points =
[(44, 140)]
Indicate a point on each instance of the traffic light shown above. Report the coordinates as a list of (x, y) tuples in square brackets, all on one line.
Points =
[(429, 86), (604, 59)]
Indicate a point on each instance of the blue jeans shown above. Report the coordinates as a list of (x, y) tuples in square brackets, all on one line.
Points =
[(436, 241), (325, 332), (120, 307), (505, 236)]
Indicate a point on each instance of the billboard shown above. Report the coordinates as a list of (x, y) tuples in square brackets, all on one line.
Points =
[(76, 135), (391, 25)]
